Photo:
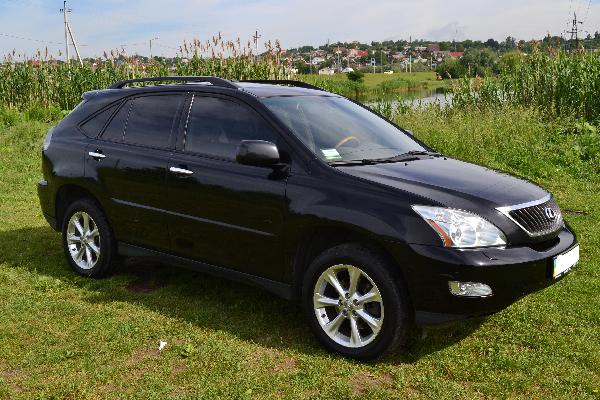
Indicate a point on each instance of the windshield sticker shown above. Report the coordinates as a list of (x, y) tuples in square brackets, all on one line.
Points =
[(331, 154)]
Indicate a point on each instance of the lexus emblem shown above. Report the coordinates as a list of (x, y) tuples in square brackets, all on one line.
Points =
[(550, 214)]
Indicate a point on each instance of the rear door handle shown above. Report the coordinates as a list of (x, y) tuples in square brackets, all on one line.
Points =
[(96, 156), (181, 171)]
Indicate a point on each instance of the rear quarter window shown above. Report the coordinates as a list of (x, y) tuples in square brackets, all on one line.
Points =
[(115, 129), (94, 126)]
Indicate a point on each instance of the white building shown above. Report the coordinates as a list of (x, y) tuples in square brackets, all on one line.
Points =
[(326, 71)]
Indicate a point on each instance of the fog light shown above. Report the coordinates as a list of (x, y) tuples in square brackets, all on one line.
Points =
[(469, 289)]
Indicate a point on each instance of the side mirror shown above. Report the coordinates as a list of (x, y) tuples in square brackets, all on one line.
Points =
[(258, 153)]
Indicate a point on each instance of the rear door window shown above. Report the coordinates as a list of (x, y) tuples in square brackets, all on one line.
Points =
[(151, 120), (146, 121)]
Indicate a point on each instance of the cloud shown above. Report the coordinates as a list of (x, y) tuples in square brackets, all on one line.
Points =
[(108, 24)]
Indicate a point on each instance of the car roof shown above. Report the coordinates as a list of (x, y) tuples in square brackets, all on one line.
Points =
[(255, 88), (273, 90)]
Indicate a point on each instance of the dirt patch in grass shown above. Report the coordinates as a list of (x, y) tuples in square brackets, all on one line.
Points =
[(140, 356), (577, 213), (11, 376), (148, 277), (178, 369), (287, 365), (262, 354), (269, 356), (363, 381)]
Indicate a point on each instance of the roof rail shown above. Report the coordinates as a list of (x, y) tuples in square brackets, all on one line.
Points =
[(209, 79), (283, 82)]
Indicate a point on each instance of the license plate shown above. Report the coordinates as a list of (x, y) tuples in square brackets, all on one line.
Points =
[(564, 262)]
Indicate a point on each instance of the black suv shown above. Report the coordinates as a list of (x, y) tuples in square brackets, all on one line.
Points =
[(303, 192)]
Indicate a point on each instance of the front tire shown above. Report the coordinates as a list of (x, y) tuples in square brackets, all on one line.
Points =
[(355, 303), (87, 239)]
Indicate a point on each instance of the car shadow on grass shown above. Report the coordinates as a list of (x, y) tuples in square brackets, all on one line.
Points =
[(249, 313)]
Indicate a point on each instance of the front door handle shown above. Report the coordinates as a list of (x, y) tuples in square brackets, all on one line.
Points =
[(181, 171), (96, 156)]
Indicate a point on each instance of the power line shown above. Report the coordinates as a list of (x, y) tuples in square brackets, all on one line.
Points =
[(587, 12), (8, 35)]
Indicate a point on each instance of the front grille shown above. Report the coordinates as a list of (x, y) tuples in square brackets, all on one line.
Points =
[(538, 218)]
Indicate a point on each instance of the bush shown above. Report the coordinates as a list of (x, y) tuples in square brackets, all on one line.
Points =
[(8, 117), (355, 76)]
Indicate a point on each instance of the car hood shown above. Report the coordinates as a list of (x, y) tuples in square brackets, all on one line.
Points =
[(444, 179)]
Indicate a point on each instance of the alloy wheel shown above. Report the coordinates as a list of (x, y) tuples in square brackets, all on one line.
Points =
[(83, 240), (348, 306)]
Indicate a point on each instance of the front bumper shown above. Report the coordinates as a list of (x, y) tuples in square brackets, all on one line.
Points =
[(511, 273)]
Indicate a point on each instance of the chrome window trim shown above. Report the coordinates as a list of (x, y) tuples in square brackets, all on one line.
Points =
[(505, 210)]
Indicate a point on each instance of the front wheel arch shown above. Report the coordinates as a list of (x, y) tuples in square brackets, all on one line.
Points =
[(396, 300), (316, 241)]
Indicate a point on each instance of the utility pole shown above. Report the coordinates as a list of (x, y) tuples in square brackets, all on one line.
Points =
[(75, 45), (575, 31), (410, 54), (154, 38), (69, 33), (65, 11), (256, 37), (454, 40)]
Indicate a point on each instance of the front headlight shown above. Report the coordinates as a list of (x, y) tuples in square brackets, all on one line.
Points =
[(462, 229)]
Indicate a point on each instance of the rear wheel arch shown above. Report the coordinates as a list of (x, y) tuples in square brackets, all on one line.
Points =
[(66, 195)]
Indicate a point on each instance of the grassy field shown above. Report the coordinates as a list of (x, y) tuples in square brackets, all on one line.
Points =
[(417, 79), (63, 336)]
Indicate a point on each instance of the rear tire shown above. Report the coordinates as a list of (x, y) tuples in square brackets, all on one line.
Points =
[(355, 303), (88, 241)]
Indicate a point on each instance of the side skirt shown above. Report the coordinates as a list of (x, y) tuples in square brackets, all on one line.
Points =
[(278, 288)]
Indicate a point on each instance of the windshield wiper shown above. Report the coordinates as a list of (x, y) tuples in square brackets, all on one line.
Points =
[(412, 155), (351, 162), (424, 153)]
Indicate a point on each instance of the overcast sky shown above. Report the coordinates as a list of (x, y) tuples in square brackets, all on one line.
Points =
[(108, 24)]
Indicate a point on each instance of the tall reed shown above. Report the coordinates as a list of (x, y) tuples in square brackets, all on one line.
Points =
[(558, 83), (47, 82)]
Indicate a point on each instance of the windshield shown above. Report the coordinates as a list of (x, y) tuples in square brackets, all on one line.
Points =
[(336, 129)]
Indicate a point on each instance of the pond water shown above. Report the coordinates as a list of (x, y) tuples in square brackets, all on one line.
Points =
[(414, 97)]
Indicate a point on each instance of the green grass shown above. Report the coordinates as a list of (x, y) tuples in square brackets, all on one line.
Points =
[(63, 336), (372, 81)]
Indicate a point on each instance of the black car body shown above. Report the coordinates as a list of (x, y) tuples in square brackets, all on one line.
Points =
[(265, 224)]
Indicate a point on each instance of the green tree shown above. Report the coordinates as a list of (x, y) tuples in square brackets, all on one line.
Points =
[(356, 76), (510, 62), (480, 62), (450, 68)]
